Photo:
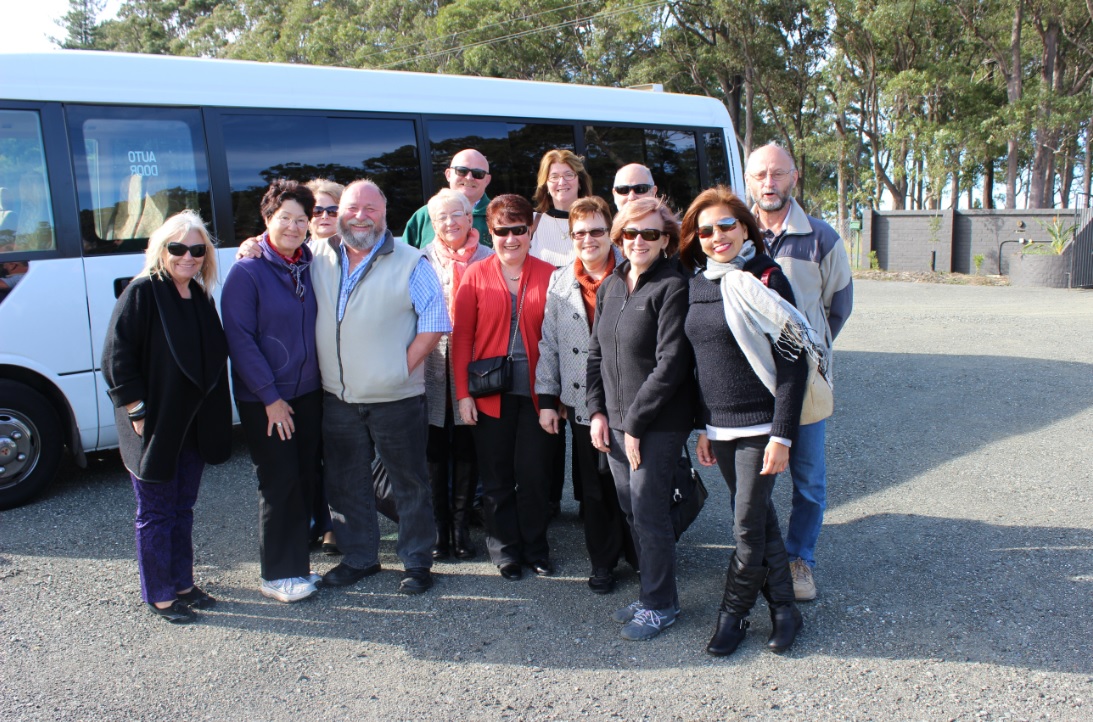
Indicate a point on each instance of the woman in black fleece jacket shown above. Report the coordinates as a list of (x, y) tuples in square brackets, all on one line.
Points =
[(751, 393), (640, 398)]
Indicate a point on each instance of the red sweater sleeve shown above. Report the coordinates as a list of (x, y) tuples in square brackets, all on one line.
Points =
[(465, 326)]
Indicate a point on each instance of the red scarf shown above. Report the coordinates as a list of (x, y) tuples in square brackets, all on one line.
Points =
[(590, 285), (453, 264)]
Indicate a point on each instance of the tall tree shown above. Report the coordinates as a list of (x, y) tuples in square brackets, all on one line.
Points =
[(81, 25)]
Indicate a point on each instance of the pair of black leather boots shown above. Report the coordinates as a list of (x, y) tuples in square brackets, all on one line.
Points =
[(453, 536), (743, 584)]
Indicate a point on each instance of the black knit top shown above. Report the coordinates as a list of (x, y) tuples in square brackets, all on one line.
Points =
[(732, 396)]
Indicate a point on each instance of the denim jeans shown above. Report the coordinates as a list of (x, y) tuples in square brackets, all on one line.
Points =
[(809, 471), (352, 435), (645, 496)]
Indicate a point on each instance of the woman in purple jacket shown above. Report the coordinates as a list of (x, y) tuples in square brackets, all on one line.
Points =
[(269, 317)]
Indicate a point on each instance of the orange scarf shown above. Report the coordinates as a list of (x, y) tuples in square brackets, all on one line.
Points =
[(453, 264), (590, 285)]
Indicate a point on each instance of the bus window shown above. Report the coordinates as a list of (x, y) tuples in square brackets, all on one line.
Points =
[(134, 169), (263, 147), (26, 216), (670, 154), (716, 161), (513, 150)]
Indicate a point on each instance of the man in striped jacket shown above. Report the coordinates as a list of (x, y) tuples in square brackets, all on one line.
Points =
[(813, 257)]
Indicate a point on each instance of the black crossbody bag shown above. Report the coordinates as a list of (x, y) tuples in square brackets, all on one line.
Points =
[(493, 375)]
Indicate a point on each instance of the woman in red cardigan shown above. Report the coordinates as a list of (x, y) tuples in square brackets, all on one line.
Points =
[(499, 311)]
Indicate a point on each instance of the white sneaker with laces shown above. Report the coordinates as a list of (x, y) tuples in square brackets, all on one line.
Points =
[(648, 623), (804, 586), (291, 589)]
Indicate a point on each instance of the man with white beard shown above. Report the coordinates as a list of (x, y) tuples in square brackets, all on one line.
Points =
[(381, 311)]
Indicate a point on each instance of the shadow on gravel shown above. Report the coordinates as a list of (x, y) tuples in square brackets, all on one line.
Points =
[(899, 415)]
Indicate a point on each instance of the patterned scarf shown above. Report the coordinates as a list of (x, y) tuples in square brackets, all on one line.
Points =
[(453, 264), (295, 266)]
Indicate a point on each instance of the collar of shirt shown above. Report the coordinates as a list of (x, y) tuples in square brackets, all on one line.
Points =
[(350, 280)]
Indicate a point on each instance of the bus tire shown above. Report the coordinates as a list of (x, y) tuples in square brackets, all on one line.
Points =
[(31, 442)]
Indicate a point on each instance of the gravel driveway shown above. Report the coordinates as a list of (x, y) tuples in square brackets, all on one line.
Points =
[(955, 571)]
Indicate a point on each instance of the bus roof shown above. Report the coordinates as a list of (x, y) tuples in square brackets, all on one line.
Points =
[(78, 76)]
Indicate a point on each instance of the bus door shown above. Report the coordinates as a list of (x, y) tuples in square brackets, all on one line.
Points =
[(134, 168)]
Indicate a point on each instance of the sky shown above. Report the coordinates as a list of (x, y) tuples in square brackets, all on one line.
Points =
[(28, 24)]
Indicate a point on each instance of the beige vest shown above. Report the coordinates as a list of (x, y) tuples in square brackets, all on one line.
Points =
[(362, 359)]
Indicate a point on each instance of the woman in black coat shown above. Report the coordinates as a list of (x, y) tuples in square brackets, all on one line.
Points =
[(750, 346), (165, 362)]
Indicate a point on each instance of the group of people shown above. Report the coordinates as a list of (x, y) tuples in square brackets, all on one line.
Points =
[(461, 363)]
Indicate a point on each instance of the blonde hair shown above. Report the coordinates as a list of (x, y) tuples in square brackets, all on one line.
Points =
[(329, 187), (637, 209), (176, 228)]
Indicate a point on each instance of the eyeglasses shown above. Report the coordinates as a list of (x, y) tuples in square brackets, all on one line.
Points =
[(502, 231), (286, 220), (641, 189), (568, 176), (445, 217), (724, 225), (647, 234), (777, 176), (594, 232), (476, 173), (320, 211), (178, 248)]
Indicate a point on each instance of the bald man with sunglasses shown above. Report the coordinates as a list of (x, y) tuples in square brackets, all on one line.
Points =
[(633, 181), (469, 174)]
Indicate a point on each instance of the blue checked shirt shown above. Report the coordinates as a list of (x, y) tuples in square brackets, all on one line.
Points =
[(425, 292)]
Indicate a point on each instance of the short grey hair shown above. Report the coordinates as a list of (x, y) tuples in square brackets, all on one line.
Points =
[(446, 197)]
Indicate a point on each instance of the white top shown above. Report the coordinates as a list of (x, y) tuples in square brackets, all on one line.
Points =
[(551, 242), (720, 433)]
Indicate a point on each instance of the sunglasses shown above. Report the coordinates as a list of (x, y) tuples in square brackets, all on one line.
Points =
[(647, 234), (641, 189), (594, 232), (502, 231), (476, 173), (177, 248), (724, 225), (320, 211)]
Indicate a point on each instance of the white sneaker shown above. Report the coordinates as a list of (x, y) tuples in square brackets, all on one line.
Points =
[(292, 589), (804, 585)]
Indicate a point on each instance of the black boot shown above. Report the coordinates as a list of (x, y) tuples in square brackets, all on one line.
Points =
[(786, 620), (466, 475), (438, 477), (742, 584)]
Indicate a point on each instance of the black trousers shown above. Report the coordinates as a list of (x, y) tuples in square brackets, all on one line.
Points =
[(755, 521), (606, 533), (287, 473), (514, 462)]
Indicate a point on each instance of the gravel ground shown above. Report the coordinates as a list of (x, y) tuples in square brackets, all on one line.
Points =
[(956, 571)]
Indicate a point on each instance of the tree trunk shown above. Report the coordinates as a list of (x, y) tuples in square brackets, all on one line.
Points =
[(1013, 95), (1041, 187), (956, 190), (749, 109), (1086, 180), (988, 184)]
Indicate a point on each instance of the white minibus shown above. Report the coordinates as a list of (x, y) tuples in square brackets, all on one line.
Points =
[(97, 149)]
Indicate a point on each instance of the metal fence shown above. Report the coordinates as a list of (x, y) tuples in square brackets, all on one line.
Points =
[(1081, 255)]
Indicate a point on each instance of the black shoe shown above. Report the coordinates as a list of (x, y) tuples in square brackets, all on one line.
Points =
[(177, 613), (787, 623), (442, 553), (511, 571), (416, 581), (543, 567), (197, 599), (331, 549), (464, 547), (602, 581), (728, 635), (343, 575)]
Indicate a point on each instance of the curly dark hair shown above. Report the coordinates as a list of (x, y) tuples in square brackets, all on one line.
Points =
[(281, 190)]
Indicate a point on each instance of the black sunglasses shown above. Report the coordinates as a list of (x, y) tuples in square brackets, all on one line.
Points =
[(462, 172), (502, 231), (331, 211), (641, 189), (647, 234), (724, 225), (594, 232), (177, 248)]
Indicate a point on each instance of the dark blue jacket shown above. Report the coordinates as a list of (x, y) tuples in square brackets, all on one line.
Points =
[(270, 329)]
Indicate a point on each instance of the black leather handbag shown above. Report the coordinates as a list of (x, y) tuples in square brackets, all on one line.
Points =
[(493, 375), (688, 495)]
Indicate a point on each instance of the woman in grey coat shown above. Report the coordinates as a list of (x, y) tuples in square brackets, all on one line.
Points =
[(560, 384), (450, 452)]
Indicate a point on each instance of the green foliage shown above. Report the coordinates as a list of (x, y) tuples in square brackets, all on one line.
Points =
[(978, 259), (874, 262), (1061, 234)]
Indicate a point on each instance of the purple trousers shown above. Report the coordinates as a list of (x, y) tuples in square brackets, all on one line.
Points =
[(165, 522)]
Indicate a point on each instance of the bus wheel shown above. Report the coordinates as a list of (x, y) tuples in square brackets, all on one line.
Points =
[(30, 443)]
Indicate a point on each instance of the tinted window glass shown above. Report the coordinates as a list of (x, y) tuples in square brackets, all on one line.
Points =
[(717, 164), (26, 214), (261, 148), (513, 150), (134, 169), (670, 154)]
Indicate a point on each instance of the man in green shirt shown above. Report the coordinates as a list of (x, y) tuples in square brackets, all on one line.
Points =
[(469, 174)]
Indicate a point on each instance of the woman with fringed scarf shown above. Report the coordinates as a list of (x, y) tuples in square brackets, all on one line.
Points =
[(750, 347)]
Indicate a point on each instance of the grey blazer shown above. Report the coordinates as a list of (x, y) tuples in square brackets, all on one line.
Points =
[(563, 349), (437, 363)]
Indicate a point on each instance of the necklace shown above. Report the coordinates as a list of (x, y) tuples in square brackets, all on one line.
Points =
[(513, 278)]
